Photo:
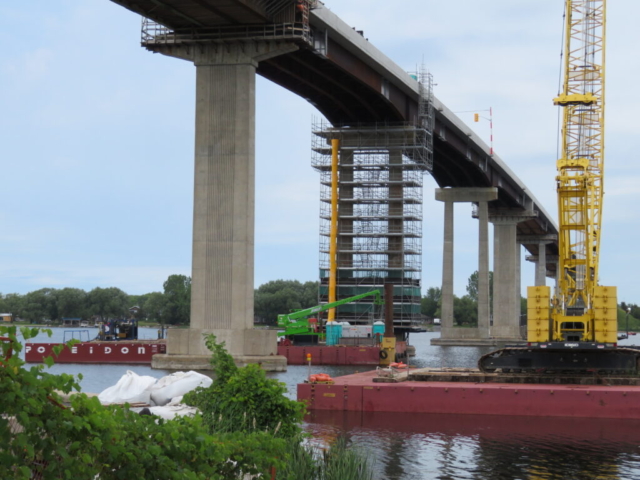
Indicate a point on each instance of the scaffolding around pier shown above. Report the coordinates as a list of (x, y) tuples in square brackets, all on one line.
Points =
[(378, 233)]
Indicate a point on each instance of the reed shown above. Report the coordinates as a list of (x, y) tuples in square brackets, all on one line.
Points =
[(339, 462)]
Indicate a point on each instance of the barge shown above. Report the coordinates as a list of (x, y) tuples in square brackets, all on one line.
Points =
[(134, 352), (116, 342), (336, 354), (367, 392)]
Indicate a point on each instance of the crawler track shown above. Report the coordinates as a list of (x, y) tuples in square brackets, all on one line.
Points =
[(556, 358)]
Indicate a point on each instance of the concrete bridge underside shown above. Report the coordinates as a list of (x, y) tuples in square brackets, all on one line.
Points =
[(317, 56)]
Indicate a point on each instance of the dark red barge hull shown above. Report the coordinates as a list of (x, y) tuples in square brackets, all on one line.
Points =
[(94, 352), (359, 393), (335, 355)]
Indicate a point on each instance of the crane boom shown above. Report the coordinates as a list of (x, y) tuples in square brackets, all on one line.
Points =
[(581, 165), (582, 310)]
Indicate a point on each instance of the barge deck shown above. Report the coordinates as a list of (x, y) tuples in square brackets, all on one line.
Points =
[(365, 392)]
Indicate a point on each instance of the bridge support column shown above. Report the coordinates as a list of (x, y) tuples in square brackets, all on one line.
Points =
[(506, 270), (540, 260), (541, 266), (505, 313), (446, 293), (484, 308), (449, 335), (224, 208)]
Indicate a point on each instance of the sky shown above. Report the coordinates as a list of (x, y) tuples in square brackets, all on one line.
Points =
[(96, 139)]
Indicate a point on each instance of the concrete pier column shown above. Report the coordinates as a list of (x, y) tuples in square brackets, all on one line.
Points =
[(542, 259), (541, 265), (446, 309), (483, 270), (505, 314), (518, 275), (506, 272), (448, 334), (224, 207)]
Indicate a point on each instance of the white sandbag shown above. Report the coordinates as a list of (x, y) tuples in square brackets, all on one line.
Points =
[(176, 385), (169, 412), (131, 388)]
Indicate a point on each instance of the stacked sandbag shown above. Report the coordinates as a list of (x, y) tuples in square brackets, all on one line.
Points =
[(176, 385), (173, 409), (131, 388), (164, 395)]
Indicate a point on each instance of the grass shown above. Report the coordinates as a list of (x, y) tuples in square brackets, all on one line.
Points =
[(339, 462)]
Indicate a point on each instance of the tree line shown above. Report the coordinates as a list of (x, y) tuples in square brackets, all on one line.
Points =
[(171, 306)]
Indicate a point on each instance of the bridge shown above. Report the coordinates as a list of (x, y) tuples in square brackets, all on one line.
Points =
[(304, 47)]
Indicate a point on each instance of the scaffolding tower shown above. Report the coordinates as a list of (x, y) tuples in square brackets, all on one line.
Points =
[(378, 236)]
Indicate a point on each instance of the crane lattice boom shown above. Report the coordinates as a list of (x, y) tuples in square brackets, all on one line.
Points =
[(580, 168)]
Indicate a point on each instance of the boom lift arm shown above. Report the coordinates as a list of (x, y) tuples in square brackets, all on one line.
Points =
[(296, 323)]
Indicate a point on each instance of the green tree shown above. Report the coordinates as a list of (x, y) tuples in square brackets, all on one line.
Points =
[(71, 302), (465, 311), (13, 303), (139, 301), (431, 301), (282, 296), (177, 293), (472, 287), (107, 302), (40, 305), (155, 307)]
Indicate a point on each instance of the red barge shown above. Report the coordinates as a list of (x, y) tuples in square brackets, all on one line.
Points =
[(116, 342), (136, 351), (337, 354), (359, 393)]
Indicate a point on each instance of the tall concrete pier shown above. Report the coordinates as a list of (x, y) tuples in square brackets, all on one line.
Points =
[(506, 272), (481, 334), (224, 208)]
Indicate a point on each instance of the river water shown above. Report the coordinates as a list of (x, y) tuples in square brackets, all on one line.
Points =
[(419, 446)]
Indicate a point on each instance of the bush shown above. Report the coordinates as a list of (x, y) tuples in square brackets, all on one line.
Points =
[(42, 437), (248, 427), (243, 399)]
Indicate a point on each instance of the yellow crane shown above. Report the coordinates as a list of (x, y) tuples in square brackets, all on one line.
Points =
[(582, 310), (577, 330)]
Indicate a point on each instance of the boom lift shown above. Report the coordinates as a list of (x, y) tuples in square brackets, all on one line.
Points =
[(577, 330), (297, 323)]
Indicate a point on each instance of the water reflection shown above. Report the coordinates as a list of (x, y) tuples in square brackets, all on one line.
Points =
[(411, 446)]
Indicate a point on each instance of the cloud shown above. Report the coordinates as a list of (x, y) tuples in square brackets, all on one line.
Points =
[(99, 136), (131, 279)]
